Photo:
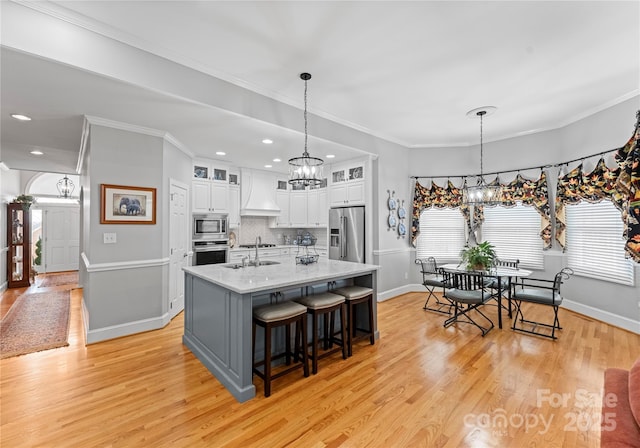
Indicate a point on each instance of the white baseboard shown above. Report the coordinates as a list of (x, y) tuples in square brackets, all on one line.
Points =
[(386, 295), (127, 329), (3, 287), (604, 316)]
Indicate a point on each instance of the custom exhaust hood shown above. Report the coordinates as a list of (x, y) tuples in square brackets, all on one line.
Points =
[(257, 193)]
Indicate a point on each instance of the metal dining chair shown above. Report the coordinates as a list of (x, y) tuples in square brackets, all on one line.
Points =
[(540, 292), (432, 279), (499, 288), (468, 292)]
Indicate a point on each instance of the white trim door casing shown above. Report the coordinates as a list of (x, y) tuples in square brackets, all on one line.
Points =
[(178, 243)]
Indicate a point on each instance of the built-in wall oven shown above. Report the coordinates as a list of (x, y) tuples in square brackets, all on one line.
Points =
[(210, 252), (210, 239)]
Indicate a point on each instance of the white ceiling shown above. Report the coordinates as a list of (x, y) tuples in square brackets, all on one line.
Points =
[(404, 72)]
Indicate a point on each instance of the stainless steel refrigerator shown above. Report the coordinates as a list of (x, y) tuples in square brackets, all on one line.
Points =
[(346, 234)]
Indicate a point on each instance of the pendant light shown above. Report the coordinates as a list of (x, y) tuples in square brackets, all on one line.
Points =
[(305, 170), (481, 193), (65, 187)]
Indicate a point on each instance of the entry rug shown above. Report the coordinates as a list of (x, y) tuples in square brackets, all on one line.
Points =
[(35, 322), (68, 278)]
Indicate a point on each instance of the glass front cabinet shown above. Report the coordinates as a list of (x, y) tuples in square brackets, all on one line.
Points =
[(18, 256)]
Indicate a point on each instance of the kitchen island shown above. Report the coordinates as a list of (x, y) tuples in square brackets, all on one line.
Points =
[(219, 302)]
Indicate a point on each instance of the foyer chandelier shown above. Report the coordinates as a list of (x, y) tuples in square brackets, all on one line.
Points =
[(65, 187), (481, 193), (305, 170)]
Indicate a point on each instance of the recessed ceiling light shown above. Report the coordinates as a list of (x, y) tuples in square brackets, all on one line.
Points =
[(330, 156), (221, 153), (35, 152), (21, 117), (277, 160), (267, 141), (267, 166)]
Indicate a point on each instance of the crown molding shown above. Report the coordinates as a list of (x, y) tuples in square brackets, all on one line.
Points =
[(98, 121)]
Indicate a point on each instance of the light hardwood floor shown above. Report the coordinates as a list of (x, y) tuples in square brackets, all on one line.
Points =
[(420, 385)]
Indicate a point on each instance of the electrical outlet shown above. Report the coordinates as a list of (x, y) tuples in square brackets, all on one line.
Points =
[(406, 275), (109, 238)]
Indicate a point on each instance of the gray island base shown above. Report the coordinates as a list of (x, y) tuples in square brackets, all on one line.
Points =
[(219, 304)]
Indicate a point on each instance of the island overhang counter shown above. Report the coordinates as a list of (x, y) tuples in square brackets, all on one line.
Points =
[(219, 303)]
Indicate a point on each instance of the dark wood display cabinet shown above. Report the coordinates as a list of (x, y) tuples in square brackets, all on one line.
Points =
[(18, 241)]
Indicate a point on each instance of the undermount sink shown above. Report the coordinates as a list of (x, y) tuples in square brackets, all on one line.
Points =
[(268, 262), (233, 266), (251, 264)]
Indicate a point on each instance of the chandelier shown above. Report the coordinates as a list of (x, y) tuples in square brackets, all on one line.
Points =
[(65, 187), (305, 170), (481, 193)]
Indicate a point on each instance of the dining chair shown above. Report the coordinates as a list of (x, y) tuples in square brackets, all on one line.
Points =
[(468, 292), (432, 279), (499, 288), (539, 292)]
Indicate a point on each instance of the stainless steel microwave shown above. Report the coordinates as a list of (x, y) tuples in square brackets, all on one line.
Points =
[(210, 227)]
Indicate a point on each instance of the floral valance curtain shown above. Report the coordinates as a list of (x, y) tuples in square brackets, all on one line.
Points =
[(531, 192), (628, 184), (620, 185), (437, 197)]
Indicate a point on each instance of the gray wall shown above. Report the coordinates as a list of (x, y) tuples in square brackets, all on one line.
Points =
[(608, 129), (125, 283), (392, 254)]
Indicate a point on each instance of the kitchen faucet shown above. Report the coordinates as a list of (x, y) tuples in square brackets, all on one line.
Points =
[(256, 260)]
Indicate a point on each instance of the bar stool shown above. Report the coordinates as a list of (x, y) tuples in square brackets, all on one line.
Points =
[(355, 295), (273, 316), (325, 304)]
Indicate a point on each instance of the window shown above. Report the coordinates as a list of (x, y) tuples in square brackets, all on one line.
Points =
[(442, 234), (595, 247), (515, 233)]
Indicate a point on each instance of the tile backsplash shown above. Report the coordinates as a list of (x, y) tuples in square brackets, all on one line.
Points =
[(253, 226)]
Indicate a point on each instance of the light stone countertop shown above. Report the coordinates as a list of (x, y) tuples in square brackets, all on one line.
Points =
[(277, 246), (286, 273)]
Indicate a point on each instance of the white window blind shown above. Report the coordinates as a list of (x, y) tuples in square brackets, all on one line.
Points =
[(595, 247), (442, 234), (515, 233)]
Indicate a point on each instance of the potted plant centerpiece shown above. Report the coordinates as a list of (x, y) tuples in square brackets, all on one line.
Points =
[(479, 257)]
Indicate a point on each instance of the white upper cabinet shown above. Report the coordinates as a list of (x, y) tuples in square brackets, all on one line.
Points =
[(282, 199), (298, 208), (234, 206), (347, 184), (209, 197), (317, 208), (348, 172), (301, 207), (210, 170), (210, 187)]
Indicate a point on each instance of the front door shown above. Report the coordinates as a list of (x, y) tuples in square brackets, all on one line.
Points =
[(179, 245), (61, 228)]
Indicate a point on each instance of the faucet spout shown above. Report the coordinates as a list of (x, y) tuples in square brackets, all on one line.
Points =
[(257, 259)]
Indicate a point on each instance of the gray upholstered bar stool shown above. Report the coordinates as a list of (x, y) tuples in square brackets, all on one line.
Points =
[(325, 304), (277, 315), (355, 295)]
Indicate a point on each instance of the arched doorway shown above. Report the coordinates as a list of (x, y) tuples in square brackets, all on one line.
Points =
[(55, 231)]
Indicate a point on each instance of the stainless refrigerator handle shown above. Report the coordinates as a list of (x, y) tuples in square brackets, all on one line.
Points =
[(343, 250)]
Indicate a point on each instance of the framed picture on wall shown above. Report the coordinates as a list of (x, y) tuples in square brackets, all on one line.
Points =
[(120, 204)]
